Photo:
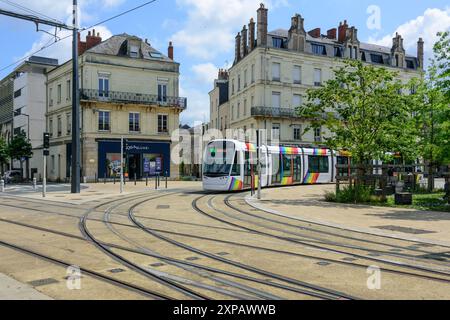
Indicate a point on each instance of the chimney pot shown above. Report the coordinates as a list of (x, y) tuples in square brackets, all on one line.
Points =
[(170, 51)]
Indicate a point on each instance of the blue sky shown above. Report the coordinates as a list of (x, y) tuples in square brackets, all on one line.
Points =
[(203, 30)]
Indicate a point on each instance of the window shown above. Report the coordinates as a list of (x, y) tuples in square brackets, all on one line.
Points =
[(50, 97), (59, 94), (103, 87), (377, 58), (363, 56), (245, 107), (296, 100), (162, 92), (232, 112), (134, 51), (355, 52), (133, 122), (276, 99), (253, 101), (319, 49), (68, 90), (18, 93), (297, 133), (239, 83), (317, 134), (277, 42), (276, 72), (69, 123), (236, 168), (351, 52), (155, 54), (297, 75), (59, 126), (338, 52), (232, 86), (253, 73), (162, 124), (317, 77), (238, 110), (410, 64), (50, 127), (287, 165), (275, 131), (104, 121), (245, 78), (318, 164)]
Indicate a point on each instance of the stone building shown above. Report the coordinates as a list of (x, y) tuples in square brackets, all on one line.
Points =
[(127, 89), (273, 70)]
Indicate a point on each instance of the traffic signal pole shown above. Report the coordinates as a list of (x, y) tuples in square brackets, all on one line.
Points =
[(76, 152)]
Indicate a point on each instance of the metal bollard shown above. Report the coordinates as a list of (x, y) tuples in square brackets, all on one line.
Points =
[(159, 180), (167, 174), (114, 179), (135, 179), (156, 182), (2, 185), (104, 179), (34, 184), (146, 181)]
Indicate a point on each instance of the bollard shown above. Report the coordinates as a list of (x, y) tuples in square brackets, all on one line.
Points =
[(95, 178), (156, 182), (104, 179), (114, 179), (2, 185), (159, 180), (84, 179), (167, 174), (34, 184), (146, 181), (135, 179)]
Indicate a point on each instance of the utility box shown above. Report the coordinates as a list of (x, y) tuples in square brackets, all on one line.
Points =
[(403, 198)]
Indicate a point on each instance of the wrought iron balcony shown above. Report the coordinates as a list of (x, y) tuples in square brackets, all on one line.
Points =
[(133, 98), (274, 112)]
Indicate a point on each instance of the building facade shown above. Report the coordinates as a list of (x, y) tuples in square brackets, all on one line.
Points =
[(272, 72), (23, 108), (127, 89)]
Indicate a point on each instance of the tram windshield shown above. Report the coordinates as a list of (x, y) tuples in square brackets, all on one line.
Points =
[(219, 158)]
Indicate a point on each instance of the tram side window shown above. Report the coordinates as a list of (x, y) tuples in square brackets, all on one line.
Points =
[(287, 166), (298, 168), (318, 164), (236, 169)]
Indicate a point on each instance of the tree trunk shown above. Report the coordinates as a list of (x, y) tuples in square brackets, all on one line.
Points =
[(430, 186)]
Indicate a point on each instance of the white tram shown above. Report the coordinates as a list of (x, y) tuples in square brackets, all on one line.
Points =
[(231, 165)]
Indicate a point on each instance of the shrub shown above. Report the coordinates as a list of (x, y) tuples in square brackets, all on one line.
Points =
[(351, 194), (330, 196)]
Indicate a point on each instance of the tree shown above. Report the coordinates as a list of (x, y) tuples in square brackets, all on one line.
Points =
[(365, 112), (20, 148), (442, 62), (3, 153)]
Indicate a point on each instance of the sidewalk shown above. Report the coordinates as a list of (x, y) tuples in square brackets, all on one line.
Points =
[(307, 203), (11, 289)]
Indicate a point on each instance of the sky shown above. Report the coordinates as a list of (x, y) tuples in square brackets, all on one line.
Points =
[(203, 31)]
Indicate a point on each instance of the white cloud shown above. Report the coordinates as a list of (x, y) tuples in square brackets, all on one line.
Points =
[(205, 72), (198, 105), (425, 26), (212, 25)]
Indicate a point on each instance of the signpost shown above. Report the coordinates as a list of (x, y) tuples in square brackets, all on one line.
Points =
[(258, 150), (121, 165), (46, 154)]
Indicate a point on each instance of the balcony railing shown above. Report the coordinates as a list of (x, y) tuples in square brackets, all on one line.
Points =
[(133, 98), (274, 112)]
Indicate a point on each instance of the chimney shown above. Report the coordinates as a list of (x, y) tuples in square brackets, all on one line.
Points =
[(332, 34), (342, 31), (420, 53), (244, 39), (252, 34), (238, 48), (170, 51), (92, 39), (262, 25), (81, 45), (223, 74), (315, 33)]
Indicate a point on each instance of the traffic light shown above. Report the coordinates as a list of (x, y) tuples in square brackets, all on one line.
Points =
[(46, 140)]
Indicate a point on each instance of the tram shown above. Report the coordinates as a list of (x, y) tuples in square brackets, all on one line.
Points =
[(231, 165)]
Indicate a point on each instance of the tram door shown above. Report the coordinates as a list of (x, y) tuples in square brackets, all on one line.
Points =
[(287, 166), (276, 168), (298, 174), (249, 168)]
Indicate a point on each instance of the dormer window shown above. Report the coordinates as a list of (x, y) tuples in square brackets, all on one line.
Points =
[(155, 55), (134, 51), (337, 52), (277, 42), (377, 58), (410, 64), (319, 49)]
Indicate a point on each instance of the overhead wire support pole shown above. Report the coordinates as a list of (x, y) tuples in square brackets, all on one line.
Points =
[(76, 148)]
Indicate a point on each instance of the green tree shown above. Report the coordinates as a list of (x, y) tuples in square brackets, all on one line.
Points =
[(3, 153), (441, 62), (365, 112), (20, 148)]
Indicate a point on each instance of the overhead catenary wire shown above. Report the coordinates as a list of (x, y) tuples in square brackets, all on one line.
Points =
[(29, 10), (48, 45)]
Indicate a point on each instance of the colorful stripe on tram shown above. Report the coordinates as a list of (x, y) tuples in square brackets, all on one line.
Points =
[(250, 147), (236, 185), (320, 152), (289, 150), (311, 178), (286, 181)]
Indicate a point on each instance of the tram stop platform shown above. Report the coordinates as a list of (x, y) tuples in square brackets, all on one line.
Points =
[(11, 289), (307, 203)]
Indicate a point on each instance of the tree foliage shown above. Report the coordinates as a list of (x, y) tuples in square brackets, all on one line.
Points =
[(365, 112), (3, 151), (20, 147), (442, 62)]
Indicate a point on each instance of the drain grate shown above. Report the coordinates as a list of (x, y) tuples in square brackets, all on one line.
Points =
[(43, 282), (395, 250), (323, 263), (163, 207), (223, 254), (404, 229), (156, 265), (192, 259), (117, 270), (349, 259), (374, 254)]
